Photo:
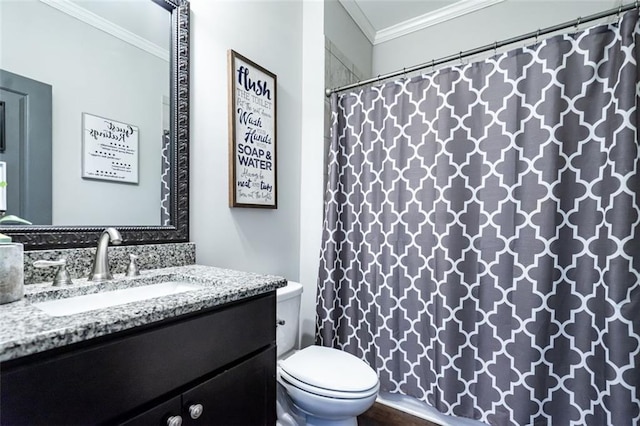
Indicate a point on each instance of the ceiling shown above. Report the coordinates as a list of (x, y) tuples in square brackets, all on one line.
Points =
[(383, 20)]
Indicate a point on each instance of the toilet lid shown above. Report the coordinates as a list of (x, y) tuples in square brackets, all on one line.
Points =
[(331, 369)]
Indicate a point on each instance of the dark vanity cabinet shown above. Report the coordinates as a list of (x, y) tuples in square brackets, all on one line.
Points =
[(238, 396), (214, 367)]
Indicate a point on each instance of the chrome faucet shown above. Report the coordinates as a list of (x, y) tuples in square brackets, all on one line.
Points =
[(100, 271)]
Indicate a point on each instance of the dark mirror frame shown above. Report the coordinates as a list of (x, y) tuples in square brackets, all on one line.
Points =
[(39, 237)]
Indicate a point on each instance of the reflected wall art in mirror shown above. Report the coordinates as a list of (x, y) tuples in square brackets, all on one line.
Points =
[(103, 139)]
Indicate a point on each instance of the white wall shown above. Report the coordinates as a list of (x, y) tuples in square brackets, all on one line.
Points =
[(270, 34), (101, 75), (498, 22)]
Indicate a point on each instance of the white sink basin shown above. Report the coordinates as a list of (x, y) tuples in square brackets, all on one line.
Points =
[(90, 302)]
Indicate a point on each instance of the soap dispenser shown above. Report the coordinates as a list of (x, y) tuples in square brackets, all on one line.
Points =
[(11, 270)]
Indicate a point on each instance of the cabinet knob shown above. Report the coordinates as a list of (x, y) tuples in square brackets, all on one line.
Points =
[(174, 421), (195, 410)]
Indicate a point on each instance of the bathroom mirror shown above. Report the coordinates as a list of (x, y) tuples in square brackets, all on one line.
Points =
[(110, 191)]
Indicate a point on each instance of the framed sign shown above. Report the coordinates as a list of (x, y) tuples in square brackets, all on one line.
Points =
[(109, 149), (252, 134)]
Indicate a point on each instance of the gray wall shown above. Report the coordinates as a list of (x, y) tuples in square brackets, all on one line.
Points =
[(345, 35)]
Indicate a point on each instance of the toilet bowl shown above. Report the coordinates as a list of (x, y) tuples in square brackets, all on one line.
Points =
[(317, 385)]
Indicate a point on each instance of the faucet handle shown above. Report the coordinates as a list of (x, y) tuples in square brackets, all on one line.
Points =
[(132, 269), (62, 275)]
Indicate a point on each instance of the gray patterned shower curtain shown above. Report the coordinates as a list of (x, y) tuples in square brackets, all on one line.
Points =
[(165, 179), (481, 245)]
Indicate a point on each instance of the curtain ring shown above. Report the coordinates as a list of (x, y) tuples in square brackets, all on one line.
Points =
[(619, 15), (495, 48), (404, 71), (537, 35), (433, 65), (578, 22), (460, 57)]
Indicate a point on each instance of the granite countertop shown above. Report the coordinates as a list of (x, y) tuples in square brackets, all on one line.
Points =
[(25, 329)]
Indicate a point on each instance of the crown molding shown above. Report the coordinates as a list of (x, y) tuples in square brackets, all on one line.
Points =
[(360, 19), (90, 18), (455, 10), (438, 16)]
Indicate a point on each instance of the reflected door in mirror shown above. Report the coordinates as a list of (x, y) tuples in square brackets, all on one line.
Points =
[(27, 148)]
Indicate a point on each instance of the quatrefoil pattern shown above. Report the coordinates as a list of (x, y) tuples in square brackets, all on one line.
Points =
[(165, 180), (481, 246)]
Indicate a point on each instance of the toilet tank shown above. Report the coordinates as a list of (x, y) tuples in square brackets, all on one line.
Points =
[(288, 317)]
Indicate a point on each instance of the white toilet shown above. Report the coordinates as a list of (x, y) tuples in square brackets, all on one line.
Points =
[(317, 385)]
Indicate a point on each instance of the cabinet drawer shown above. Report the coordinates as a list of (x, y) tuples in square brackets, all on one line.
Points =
[(100, 382)]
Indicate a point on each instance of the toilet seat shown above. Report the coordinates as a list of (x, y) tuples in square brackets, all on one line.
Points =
[(328, 393), (329, 372)]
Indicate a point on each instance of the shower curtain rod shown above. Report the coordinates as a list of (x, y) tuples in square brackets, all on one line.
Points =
[(488, 47)]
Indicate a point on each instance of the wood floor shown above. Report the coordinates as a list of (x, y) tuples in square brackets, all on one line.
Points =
[(382, 415)]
